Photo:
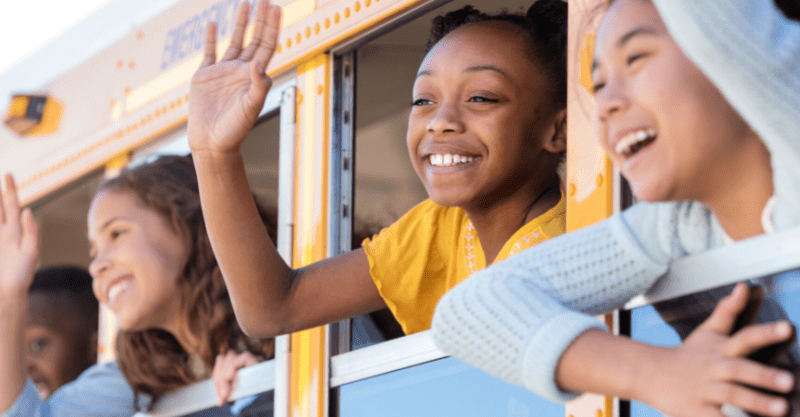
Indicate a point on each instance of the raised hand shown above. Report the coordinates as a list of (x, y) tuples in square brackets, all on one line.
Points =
[(711, 368), (226, 369), (226, 97), (19, 243)]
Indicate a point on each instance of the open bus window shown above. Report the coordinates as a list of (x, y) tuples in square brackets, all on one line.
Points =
[(669, 322), (386, 186), (385, 183), (62, 220)]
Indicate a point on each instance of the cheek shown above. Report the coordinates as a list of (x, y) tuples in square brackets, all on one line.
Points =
[(98, 291)]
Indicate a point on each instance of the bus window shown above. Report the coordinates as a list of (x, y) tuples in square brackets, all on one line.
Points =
[(385, 183), (62, 219)]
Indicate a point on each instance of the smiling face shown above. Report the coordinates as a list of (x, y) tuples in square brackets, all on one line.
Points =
[(137, 259), (59, 344), (481, 126), (660, 119)]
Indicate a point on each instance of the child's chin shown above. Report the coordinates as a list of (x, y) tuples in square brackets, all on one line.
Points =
[(648, 193)]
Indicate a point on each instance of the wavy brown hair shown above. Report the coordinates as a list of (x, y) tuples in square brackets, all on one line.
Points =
[(152, 360)]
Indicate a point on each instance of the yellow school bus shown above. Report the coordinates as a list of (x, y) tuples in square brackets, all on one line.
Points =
[(329, 152)]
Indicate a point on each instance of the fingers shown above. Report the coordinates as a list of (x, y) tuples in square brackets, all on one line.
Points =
[(754, 374), (260, 85), (265, 34), (9, 213), (261, 21), (226, 367), (754, 337), (237, 38), (728, 310), (30, 231), (222, 385), (748, 399), (2, 207), (210, 53)]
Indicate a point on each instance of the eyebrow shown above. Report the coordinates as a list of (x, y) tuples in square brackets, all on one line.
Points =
[(639, 30), (476, 68), (108, 222)]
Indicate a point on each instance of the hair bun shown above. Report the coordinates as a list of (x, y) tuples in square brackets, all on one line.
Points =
[(549, 16)]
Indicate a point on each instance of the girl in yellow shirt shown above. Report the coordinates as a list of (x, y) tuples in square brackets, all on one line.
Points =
[(486, 135)]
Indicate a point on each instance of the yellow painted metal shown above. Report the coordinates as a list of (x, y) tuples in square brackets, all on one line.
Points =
[(48, 123), (590, 174), (308, 389)]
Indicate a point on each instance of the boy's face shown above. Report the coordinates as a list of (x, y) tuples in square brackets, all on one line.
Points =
[(58, 346)]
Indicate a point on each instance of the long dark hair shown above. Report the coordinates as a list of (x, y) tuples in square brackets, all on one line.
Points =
[(152, 360)]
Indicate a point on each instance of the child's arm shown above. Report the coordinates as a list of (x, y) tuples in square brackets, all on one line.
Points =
[(517, 318), (269, 298), (709, 369), (18, 254)]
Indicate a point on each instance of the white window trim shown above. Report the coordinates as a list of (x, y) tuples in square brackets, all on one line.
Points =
[(752, 258), (202, 396), (383, 358)]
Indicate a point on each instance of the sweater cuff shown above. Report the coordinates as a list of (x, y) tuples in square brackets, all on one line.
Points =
[(27, 402), (545, 349)]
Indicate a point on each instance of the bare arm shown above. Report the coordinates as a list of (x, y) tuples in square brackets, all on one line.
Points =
[(18, 255), (269, 298)]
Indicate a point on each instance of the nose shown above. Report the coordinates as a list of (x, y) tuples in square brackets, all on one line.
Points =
[(446, 120), (611, 100), (99, 265)]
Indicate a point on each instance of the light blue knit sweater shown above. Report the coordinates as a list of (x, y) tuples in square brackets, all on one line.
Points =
[(516, 318)]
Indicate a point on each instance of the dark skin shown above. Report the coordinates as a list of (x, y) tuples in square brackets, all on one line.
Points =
[(59, 344), (471, 99)]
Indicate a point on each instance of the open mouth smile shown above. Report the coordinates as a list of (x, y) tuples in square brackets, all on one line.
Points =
[(634, 141), (448, 160)]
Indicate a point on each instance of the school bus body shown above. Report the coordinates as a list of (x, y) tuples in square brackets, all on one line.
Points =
[(135, 93)]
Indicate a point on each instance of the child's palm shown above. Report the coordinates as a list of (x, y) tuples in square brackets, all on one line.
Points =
[(225, 108), (226, 97), (19, 243)]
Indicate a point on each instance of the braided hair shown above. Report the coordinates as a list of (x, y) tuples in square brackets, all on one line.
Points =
[(543, 26)]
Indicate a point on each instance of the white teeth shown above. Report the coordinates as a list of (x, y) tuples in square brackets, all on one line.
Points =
[(449, 159), (631, 142), (42, 390), (115, 290)]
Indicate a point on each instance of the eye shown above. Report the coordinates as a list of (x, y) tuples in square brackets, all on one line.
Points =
[(635, 57), (115, 233), (482, 99), (38, 345), (597, 87), (420, 102)]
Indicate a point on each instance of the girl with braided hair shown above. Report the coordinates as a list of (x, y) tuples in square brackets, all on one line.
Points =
[(697, 104), (486, 136)]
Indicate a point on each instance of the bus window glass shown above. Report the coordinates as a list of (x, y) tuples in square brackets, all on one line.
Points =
[(446, 387)]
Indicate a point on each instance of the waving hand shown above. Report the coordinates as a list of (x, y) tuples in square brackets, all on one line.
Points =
[(19, 243), (226, 97)]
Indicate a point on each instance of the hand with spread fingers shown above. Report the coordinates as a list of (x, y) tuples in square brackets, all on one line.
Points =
[(19, 244), (226, 97), (19, 250), (716, 369), (226, 369)]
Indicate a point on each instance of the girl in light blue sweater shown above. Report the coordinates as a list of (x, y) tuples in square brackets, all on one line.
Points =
[(698, 105)]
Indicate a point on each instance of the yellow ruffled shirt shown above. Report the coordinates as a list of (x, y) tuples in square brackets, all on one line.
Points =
[(432, 248)]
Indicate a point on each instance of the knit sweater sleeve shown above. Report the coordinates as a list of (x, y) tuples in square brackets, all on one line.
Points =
[(515, 319), (751, 52)]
